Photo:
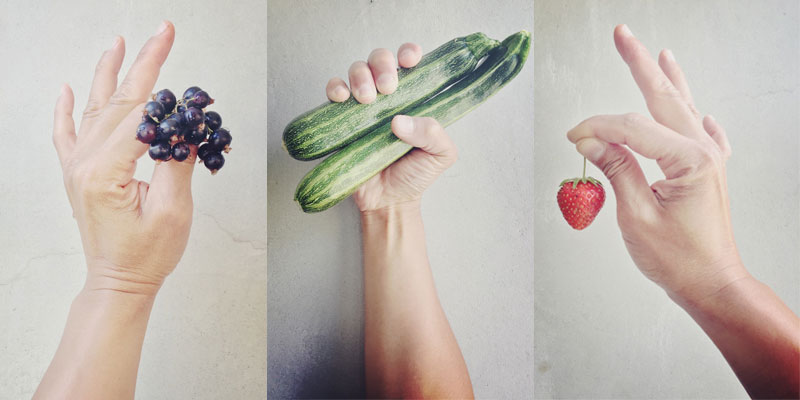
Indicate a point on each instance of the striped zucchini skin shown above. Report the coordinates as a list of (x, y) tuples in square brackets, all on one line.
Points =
[(338, 176), (332, 126)]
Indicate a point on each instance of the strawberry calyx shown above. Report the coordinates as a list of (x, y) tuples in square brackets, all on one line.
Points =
[(583, 178)]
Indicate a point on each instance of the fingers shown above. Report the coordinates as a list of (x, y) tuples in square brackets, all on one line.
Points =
[(717, 132), (384, 70), (361, 83), (426, 134), (639, 133), (63, 124), (408, 55), (621, 168), (673, 71), (138, 83), (337, 90), (665, 102), (105, 79)]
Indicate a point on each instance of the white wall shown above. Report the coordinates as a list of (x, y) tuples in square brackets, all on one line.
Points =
[(602, 329), (207, 333), (478, 218)]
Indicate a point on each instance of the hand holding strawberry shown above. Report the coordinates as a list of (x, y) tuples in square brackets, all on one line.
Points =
[(580, 199)]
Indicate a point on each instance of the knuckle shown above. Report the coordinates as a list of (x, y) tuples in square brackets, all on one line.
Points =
[(617, 166), (633, 120), (663, 87), (125, 95), (93, 109)]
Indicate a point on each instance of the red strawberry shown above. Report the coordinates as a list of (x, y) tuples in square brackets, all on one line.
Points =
[(580, 199)]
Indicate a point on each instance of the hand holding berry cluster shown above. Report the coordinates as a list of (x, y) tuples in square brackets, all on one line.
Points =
[(169, 125)]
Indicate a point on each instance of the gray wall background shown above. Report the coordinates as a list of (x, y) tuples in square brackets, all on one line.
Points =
[(601, 328), (207, 332), (478, 219)]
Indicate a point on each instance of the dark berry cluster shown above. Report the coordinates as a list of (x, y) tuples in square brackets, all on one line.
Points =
[(169, 125)]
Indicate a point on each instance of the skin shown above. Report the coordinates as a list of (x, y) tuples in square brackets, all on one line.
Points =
[(678, 230), (98, 356), (409, 349)]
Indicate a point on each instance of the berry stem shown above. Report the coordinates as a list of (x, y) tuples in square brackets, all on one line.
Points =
[(583, 177)]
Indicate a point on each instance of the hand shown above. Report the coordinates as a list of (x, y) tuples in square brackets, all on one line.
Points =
[(405, 180), (677, 230), (133, 234)]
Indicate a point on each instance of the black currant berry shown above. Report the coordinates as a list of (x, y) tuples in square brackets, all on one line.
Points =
[(194, 116), (189, 93), (203, 151), (180, 109), (167, 99), (213, 120), (220, 140), (180, 151), (167, 129), (159, 151), (178, 117), (146, 132), (214, 162), (196, 135), (154, 110), (200, 100)]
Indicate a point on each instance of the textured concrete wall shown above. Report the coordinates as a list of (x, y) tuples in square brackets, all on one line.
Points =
[(602, 329), (478, 218), (207, 332)]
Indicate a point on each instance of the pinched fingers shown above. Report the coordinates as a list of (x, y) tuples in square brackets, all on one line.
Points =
[(427, 134), (63, 125), (666, 103), (640, 134)]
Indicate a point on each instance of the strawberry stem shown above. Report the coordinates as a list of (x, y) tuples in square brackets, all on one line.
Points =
[(583, 177)]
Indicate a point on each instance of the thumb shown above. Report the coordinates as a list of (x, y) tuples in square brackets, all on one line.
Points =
[(621, 168), (427, 134)]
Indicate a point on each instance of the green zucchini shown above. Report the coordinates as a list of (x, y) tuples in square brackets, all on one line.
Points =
[(332, 126), (338, 176)]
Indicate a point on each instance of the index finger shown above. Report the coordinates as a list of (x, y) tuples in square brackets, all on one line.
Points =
[(667, 105)]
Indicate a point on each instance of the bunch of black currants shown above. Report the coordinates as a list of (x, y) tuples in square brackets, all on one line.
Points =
[(169, 125)]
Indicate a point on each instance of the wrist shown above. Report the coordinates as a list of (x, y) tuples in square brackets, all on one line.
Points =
[(725, 275), (395, 212), (103, 277)]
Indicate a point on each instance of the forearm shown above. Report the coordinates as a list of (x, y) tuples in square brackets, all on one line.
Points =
[(98, 357), (410, 350), (756, 332)]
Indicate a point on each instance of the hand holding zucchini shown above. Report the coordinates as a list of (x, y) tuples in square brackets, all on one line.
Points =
[(332, 126), (338, 176)]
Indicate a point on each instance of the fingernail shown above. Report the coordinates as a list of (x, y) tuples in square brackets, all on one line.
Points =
[(711, 118), (385, 80), (363, 94), (115, 43), (405, 54), (590, 148), (626, 31), (403, 124), (669, 55), (162, 27)]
